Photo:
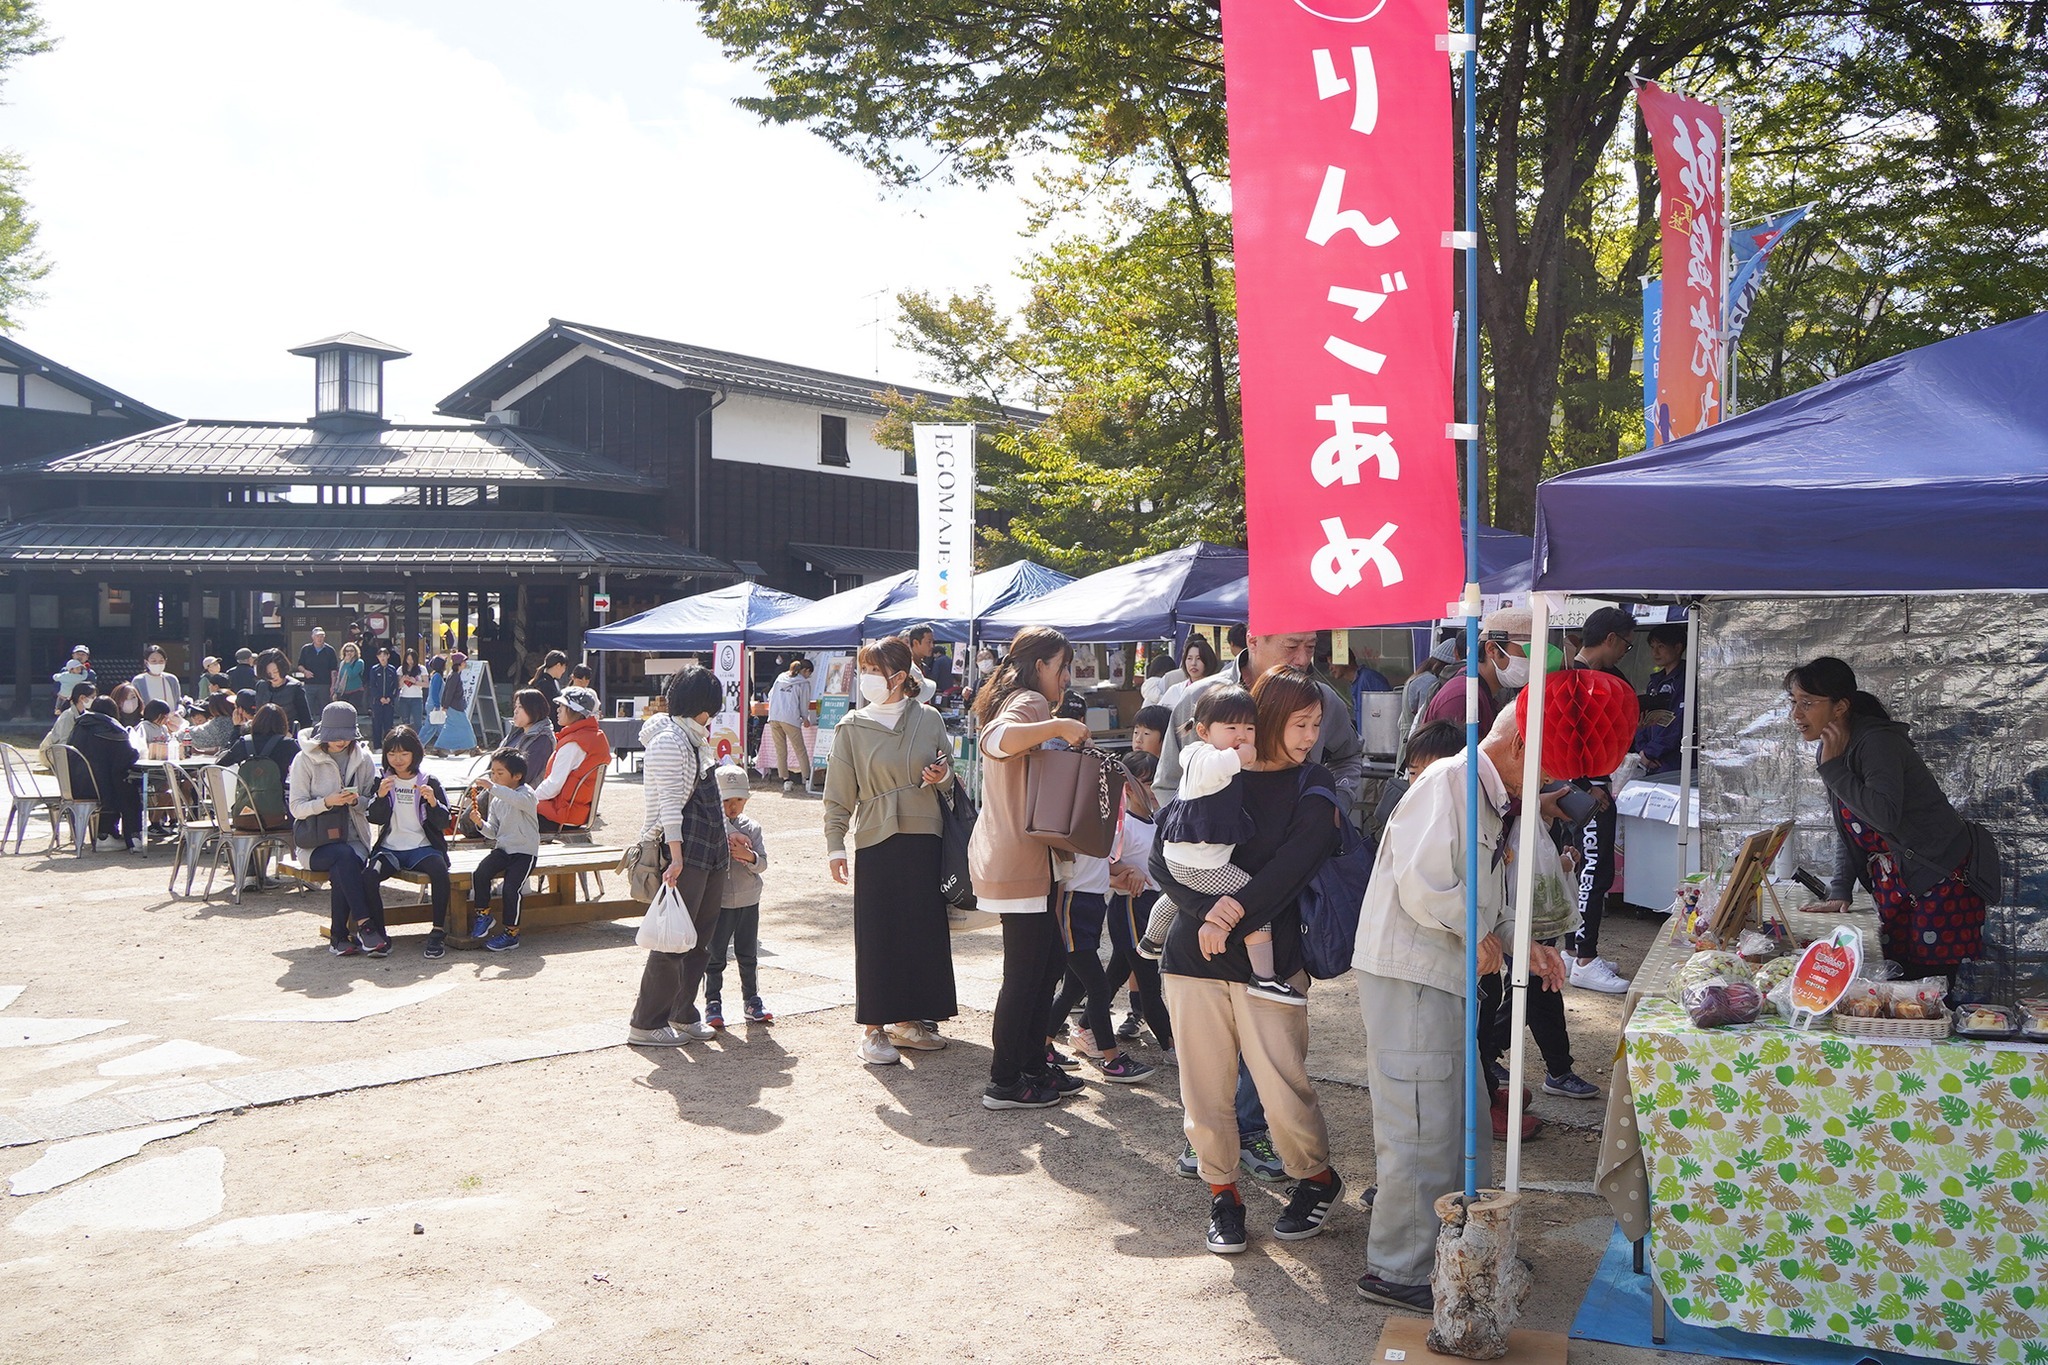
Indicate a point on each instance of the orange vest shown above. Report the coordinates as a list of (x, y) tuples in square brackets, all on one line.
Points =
[(571, 805)]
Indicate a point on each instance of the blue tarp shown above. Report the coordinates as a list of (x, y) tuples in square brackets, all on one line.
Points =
[(1134, 601), (1504, 567), (835, 622), (1023, 581), (1926, 472), (696, 623)]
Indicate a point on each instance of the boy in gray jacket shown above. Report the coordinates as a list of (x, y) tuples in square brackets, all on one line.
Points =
[(512, 824), (739, 915)]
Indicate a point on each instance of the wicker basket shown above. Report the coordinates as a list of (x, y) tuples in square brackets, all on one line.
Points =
[(1924, 1030)]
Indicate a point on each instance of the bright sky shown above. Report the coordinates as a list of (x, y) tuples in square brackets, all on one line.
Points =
[(220, 180)]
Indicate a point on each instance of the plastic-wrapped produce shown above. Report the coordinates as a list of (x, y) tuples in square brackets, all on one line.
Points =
[(1714, 965), (1770, 976), (1714, 1003)]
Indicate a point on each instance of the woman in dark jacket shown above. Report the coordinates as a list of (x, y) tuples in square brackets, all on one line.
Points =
[(1206, 969), (109, 756), (1897, 833), (411, 814), (547, 680), (275, 686)]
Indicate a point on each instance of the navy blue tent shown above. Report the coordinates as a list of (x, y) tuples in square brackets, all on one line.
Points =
[(994, 590), (835, 622), (1926, 472), (1134, 601), (697, 623), (1504, 567)]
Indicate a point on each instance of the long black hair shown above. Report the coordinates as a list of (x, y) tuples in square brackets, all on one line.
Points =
[(1830, 677), (1018, 672)]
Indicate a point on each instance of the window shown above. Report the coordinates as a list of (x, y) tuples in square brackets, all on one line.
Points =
[(910, 463), (832, 441), (364, 381), (327, 382)]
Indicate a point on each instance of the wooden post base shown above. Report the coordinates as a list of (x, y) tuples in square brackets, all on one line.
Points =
[(1481, 1281), (1405, 1341)]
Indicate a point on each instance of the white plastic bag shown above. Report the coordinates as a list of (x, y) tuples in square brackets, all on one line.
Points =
[(667, 926)]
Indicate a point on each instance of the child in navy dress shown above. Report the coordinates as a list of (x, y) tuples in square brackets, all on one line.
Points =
[(1203, 825)]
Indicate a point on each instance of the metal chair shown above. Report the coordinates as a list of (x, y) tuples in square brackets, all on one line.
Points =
[(237, 846), (79, 808), (194, 830), (27, 793)]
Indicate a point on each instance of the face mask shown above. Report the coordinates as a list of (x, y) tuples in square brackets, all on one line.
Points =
[(874, 690), (129, 709), (156, 668), (1514, 672)]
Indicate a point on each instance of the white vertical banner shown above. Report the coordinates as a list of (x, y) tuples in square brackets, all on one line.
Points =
[(945, 518), (729, 726)]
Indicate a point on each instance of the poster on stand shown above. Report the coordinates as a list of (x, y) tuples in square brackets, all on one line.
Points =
[(729, 726), (1340, 161)]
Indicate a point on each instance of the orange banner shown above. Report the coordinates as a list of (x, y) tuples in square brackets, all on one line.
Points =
[(1688, 140)]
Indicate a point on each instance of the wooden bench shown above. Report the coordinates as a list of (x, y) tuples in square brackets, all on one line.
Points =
[(554, 893)]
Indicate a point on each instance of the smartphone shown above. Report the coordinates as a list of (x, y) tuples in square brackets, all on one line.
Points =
[(1577, 805)]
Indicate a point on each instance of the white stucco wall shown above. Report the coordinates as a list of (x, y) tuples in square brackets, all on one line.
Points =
[(755, 430)]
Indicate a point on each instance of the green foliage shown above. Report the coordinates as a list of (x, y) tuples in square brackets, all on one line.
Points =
[(21, 264)]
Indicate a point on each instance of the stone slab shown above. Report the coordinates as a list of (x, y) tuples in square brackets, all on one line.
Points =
[(65, 1162), (162, 1195)]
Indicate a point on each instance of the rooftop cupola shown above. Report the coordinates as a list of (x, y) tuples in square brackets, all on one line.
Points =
[(348, 378)]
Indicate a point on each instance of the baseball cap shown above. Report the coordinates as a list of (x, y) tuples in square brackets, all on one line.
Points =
[(732, 782), (247, 699), (1507, 623)]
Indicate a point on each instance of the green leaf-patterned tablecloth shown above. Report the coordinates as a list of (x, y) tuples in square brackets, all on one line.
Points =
[(1811, 1185)]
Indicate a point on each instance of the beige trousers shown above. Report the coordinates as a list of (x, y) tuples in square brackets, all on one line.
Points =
[(789, 745), (1214, 1022)]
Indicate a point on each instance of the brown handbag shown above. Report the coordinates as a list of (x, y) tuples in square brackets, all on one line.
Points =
[(1072, 798)]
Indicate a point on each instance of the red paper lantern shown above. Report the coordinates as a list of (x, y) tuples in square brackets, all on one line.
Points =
[(1589, 723)]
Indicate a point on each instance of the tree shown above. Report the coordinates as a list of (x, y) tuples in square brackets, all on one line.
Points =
[(21, 264), (972, 89)]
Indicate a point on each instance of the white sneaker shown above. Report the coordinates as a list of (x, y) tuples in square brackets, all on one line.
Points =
[(665, 1036), (1597, 975), (699, 1030), (916, 1037), (788, 787), (876, 1050)]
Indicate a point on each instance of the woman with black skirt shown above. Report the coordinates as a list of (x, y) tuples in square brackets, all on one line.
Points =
[(887, 757)]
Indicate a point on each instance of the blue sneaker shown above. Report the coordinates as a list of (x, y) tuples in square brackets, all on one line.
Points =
[(482, 924), (503, 940)]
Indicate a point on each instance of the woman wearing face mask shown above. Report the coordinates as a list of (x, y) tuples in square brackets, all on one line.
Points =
[(886, 759), (155, 684), (1503, 670)]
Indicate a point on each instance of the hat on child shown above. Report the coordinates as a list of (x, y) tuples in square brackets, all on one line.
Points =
[(732, 782)]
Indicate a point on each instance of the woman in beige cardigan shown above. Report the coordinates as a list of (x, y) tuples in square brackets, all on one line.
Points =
[(886, 759), (1012, 872)]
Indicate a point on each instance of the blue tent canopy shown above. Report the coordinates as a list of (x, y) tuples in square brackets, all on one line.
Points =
[(1134, 601), (1504, 567), (1926, 472), (835, 622), (1023, 581), (694, 623)]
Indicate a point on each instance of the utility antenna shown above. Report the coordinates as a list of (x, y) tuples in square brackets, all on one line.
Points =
[(876, 298)]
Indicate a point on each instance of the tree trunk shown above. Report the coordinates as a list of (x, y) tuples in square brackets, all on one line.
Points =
[(1481, 1279)]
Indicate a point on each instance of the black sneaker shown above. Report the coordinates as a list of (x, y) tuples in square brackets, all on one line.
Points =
[(1226, 1224), (376, 944), (1059, 1060), (1128, 1029), (1308, 1204), (1065, 1082), (1279, 992), (1022, 1095), (437, 944), (346, 948), (1498, 1074), (1152, 952), (1417, 1296)]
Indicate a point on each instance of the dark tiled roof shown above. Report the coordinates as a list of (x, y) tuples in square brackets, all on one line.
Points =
[(698, 366), (300, 452), (15, 354), (851, 559), (315, 537)]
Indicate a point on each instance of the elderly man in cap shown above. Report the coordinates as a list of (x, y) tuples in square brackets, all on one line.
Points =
[(1503, 670), (243, 674), (1411, 991), (569, 787)]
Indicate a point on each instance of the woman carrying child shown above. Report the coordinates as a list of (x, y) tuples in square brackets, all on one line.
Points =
[(411, 812)]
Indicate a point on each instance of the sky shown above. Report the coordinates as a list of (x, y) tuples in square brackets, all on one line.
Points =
[(221, 180)]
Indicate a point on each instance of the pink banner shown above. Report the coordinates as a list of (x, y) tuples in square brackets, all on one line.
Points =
[(1687, 138), (1340, 184)]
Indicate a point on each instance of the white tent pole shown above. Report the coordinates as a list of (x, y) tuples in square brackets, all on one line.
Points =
[(1685, 733), (1525, 874)]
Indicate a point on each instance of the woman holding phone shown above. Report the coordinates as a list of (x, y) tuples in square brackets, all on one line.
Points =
[(332, 772)]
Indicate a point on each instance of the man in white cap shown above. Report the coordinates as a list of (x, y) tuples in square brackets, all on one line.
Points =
[(1503, 669)]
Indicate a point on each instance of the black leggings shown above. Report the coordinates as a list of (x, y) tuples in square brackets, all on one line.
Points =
[(514, 867), (1033, 959), (1083, 914), (1126, 922)]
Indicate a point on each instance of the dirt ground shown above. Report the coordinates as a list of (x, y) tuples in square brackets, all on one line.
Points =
[(764, 1197)]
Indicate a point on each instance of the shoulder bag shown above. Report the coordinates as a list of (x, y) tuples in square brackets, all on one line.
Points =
[(1072, 798)]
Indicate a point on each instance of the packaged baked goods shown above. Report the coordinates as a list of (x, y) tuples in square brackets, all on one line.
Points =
[(1864, 1001), (1714, 965), (1985, 1021), (2034, 1020), (1915, 999)]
